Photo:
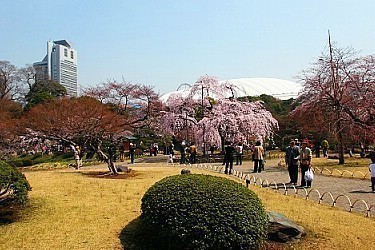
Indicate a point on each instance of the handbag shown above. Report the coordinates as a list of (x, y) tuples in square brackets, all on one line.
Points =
[(309, 175)]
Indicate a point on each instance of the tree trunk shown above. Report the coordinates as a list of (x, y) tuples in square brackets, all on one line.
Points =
[(340, 141), (341, 148)]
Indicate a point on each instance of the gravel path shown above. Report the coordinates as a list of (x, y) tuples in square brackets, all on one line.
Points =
[(354, 189)]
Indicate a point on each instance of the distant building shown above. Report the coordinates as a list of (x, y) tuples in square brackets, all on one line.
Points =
[(60, 64)]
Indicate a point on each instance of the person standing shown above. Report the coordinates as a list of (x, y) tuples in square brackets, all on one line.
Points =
[(193, 153), (239, 153), (372, 170), (132, 152), (305, 158), (258, 152), (183, 153), (292, 155), (325, 146), (229, 157), (122, 152), (77, 152)]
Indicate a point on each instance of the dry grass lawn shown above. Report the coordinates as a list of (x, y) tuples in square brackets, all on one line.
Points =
[(71, 210)]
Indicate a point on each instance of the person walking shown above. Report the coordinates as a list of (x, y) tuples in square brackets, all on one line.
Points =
[(305, 158), (258, 152), (292, 155)]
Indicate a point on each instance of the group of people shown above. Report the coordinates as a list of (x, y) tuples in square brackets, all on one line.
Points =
[(188, 153), (296, 156), (231, 152)]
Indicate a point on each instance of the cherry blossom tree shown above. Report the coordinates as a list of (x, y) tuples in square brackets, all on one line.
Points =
[(337, 97), (210, 118)]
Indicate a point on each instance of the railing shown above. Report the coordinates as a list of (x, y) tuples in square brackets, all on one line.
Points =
[(345, 202)]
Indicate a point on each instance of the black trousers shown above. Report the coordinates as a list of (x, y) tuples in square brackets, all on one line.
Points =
[(228, 164), (238, 159), (293, 173), (258, 166)]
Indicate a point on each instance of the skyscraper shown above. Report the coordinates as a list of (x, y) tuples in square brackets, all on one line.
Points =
[(60, 64)]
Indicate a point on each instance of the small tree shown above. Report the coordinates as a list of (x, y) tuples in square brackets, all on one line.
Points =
[(9, 81), (136, 103), (43, 91), (80, 121)]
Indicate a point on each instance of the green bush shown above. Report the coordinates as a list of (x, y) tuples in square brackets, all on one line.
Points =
[(13, 186), (204, 212)]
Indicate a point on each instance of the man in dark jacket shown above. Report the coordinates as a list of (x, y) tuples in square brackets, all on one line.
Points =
[(229, 157), (292, 155)]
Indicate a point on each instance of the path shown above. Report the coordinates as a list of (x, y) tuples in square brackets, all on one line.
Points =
[(355, 189)]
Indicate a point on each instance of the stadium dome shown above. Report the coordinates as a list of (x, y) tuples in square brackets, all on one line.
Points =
[(278, 88)]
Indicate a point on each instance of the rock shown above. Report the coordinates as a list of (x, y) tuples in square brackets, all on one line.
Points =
[(123, 169), (282, 229), (185, 171)]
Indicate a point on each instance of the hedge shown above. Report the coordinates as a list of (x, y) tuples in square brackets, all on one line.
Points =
[(194, 211), (13, 186)]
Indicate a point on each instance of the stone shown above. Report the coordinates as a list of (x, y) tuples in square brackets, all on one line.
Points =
[(185, 171), (282, 229), (124, 169)]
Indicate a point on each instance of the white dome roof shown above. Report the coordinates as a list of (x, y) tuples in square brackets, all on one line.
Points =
[(278, 88)]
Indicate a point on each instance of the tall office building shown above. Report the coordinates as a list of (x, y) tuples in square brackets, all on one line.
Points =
[(60, 64)]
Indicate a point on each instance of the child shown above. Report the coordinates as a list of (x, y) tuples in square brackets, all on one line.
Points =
[(372, 170)]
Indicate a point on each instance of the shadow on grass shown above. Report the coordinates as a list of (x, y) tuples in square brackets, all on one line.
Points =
[(109, 175), (137, 235), (9, 215)]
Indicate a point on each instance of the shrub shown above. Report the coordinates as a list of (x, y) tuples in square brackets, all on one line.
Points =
[(13, 186), (204, 212), (15, 162)]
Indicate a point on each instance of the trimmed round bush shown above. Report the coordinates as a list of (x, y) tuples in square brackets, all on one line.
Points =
[(196, 211), (13, 186)]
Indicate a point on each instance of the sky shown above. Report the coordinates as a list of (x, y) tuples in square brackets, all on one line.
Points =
[(166, 43)]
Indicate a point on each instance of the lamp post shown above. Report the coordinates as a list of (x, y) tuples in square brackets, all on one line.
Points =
[(204, 127)]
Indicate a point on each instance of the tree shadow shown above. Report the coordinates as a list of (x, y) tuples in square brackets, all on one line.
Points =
[(8, 215), (138, 235), (361, 191)]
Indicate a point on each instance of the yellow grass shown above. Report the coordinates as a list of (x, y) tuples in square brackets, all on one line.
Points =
[(69, 210)]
